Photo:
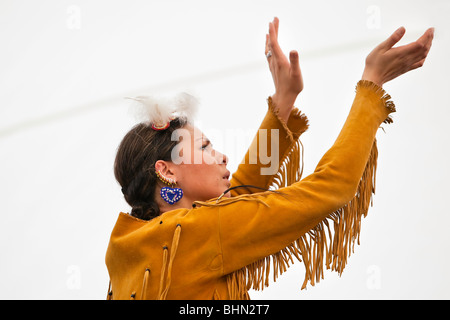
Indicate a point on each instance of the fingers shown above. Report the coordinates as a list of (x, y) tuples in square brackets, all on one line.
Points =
[(424, 42), (295, 65), (273, 41), (393, 39), (276, 23), (427, 38), (416, 52)]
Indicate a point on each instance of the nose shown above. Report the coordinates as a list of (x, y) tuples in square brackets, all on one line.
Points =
[(221, 158), (225, 159)]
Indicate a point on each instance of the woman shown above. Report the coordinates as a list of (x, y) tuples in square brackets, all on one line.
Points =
[(193, 234)]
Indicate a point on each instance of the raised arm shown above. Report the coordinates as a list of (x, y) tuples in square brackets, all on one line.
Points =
[(278, 136), (339, 190), (253, 230)]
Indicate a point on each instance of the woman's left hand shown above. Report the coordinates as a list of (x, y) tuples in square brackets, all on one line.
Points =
[(286, 74)]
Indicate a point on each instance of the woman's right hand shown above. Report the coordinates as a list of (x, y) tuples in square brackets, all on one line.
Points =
[(385, 63), (286, 74)]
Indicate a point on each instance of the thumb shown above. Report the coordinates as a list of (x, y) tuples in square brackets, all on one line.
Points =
[(393, 39)]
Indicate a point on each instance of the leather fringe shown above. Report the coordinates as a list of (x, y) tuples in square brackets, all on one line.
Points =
[(385, 98), (168, 262), (328, 245), (291, 169)]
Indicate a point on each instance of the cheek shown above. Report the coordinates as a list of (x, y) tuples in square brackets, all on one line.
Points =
[(195, 174), (201, 176), (208, 159)]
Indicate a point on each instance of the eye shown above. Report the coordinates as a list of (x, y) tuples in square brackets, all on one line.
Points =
[(206, 145)]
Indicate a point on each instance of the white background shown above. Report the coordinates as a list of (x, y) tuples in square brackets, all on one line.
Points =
[(65, 67)]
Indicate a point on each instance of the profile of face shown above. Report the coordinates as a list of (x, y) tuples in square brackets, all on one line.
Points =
[(198, 169)]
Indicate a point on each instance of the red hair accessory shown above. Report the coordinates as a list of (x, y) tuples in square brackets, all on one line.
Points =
[(162, 127), (158, 128)]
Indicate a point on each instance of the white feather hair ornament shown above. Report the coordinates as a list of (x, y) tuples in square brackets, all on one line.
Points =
[(159, 111)]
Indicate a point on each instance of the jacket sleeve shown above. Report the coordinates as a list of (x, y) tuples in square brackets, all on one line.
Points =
[(274, 154), (295, 223)]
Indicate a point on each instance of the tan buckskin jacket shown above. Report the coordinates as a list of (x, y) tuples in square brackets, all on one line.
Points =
[(221, 248)]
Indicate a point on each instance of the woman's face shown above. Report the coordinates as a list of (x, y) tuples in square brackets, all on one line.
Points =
[(199, 170)]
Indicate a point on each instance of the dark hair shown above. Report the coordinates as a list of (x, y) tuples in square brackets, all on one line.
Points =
[(134, 166)]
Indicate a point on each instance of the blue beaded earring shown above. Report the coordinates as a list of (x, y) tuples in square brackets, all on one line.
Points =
[(169, 194)]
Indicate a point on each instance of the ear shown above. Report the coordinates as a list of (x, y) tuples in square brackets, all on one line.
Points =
[(166, 168)]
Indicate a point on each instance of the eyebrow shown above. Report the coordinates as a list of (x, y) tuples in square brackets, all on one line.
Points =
[(207, 140)]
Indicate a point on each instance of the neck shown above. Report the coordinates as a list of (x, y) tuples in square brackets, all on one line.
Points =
[(164, 206)]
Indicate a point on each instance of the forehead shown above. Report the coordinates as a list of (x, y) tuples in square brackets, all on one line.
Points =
[(198, 134), (191, 133)]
